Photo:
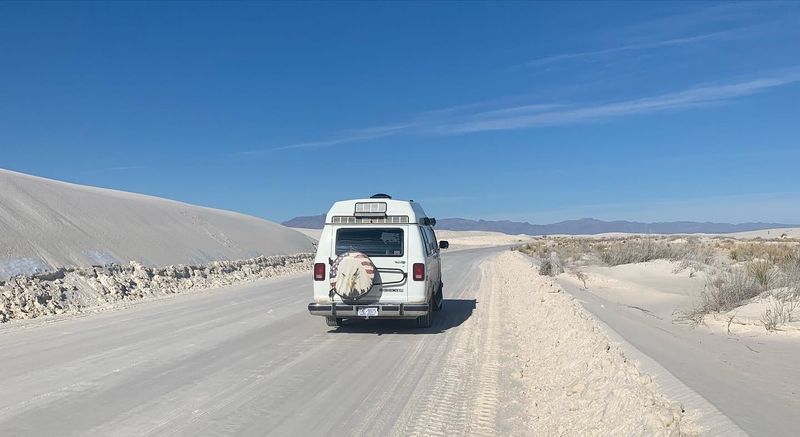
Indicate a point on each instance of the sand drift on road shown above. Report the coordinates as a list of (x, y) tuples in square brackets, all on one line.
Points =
[(572, 379)]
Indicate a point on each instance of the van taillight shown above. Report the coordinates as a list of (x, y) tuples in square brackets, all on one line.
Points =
[(319, 271), (419, 272)]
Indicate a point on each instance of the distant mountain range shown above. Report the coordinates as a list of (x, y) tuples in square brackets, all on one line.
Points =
[(571, 227)]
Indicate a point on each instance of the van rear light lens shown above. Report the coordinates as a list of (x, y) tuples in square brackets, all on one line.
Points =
[(419, 272), (319, 271)]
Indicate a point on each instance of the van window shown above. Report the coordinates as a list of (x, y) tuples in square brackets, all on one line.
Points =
[(425, 241), (431, 237), (372, 242)]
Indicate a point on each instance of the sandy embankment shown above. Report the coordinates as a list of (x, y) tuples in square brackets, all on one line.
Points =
[(75, 290), (66, 247), (717, 359), (574, 380), (47, 224)]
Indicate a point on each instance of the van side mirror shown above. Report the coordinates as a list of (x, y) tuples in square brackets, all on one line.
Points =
[(444, 244)]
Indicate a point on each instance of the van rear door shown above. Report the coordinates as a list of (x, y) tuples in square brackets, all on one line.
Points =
[(387, 247)]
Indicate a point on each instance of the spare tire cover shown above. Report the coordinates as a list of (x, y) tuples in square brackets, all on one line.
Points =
[(352, 274)]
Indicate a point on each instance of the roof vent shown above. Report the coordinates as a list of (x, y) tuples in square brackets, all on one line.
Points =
[(380, 196)]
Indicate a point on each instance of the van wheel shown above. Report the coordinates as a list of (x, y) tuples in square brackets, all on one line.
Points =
[(333, 321), (426, 321)]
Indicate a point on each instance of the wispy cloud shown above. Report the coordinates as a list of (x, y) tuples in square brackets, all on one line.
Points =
[(346, 137), (715, 23), (593, 54), (115, 168), (672, 101), (465, 119), (630, 47)]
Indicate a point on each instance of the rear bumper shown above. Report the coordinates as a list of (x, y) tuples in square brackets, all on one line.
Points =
[(388, 311)]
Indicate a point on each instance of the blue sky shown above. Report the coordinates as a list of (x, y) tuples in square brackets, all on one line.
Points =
[(522, 111)]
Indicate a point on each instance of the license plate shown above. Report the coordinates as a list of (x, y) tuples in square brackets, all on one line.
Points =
[(368, 312)]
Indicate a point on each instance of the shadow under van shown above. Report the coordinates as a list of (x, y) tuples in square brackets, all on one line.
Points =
[(454, 313)]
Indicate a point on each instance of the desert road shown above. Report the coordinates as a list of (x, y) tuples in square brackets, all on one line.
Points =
[(250, 360)]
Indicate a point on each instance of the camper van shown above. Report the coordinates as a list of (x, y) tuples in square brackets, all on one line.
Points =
[(378, 258)]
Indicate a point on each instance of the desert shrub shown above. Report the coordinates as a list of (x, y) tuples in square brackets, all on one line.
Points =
[(694, 314), (736, 285), (551, 265), (775, 252), (581, 277), (638, 250), (778, 312), (731, 288), (723, 291), (763, 272), (698, 252), (696, 257), (617, 251), (569, 250)]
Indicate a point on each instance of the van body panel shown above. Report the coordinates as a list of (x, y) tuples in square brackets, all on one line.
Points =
[(395, 293)]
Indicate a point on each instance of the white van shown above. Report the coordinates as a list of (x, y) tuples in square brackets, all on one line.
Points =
[(377, 258)]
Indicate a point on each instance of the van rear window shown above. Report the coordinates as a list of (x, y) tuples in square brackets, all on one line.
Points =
[(373, 242)]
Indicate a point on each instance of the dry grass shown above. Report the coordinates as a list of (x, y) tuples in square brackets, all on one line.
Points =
[(774, 252), (763, 272), (551, 265), (736, 271), (778, 312), (734, 286), (617, 251)]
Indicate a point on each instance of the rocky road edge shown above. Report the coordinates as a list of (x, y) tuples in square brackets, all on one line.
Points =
[(573, 379), (73, 290)]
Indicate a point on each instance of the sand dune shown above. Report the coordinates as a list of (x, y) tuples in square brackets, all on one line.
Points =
[(46, 224)]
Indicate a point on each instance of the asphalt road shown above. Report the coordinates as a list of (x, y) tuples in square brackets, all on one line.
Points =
[(249, 360)]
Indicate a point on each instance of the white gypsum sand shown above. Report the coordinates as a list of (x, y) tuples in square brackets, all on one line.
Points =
[(465, 239), (745, 372), (47, 224), (457, 239), (574, 379), (74, 290)]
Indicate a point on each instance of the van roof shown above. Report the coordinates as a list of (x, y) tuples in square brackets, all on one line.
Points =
[(408, 208)]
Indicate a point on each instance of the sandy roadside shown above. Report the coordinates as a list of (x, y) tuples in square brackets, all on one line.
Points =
[(573, 379)]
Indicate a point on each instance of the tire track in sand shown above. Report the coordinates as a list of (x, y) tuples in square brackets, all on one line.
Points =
[(461, 398)]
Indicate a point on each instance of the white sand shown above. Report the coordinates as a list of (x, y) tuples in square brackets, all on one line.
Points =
[(574, 380), (464, 239), (457, 239), (77, 290), (312, 233), (47, 224), (768, 233), (749, 375)]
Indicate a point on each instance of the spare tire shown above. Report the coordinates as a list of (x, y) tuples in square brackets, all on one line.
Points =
[(352, 275)]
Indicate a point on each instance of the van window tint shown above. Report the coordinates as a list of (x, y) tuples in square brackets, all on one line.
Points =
[(373, 242), (425, 241), (434, 246)]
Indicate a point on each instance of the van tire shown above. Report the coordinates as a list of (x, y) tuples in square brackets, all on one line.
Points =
[(426, 321), (333, 321)]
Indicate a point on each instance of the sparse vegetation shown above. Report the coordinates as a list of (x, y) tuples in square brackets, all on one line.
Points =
[(775, 252), (736, 272), (763, 272), (551, 265), (778, 312), (737, 285), (617, 251), (728, 289), (581, 277)]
